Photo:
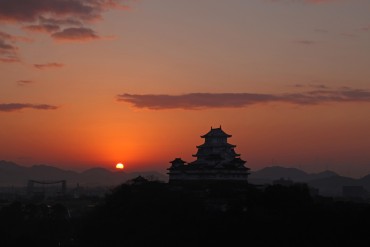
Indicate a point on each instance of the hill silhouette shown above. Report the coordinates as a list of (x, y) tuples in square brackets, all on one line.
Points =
[(12, 174), (328, 183)]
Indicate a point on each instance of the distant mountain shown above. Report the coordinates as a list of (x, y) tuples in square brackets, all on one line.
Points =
[(12, 174), (272, 173), (269, 174), (327, 182), (321, 175)]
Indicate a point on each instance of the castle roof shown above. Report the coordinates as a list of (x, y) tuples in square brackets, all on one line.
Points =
[(216, 132), (177, 160), (206, 145)]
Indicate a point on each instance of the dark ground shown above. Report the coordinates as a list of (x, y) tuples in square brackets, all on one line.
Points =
[(159, 214)]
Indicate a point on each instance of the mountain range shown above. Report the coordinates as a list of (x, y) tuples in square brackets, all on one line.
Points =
[(12, 174), (328, 183)]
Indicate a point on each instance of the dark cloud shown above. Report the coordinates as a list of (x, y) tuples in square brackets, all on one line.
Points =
[(52, 16), (195, 100), (52, 25), (198, 101), (48, 65), (8, 50), (13, 38), (313, 86), (66, 21), (24, 82), (47, 28), (31, 10), (75, 34), (11, 107)]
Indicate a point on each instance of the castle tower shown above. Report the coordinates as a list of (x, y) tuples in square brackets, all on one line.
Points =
[(216, 159)]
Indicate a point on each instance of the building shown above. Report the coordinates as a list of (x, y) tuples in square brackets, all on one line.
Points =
[(216, 160)]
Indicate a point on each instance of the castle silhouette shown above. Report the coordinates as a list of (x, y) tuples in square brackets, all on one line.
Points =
[(216, 160)]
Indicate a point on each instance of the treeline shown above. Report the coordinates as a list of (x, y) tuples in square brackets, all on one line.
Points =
[(159, 214)]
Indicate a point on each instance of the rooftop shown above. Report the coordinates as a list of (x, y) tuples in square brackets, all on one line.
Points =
[(216, 132)]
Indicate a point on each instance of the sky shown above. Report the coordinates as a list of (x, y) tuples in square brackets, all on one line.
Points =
[(96, 82)]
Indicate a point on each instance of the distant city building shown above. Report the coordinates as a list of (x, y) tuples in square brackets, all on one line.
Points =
[(215, 160)]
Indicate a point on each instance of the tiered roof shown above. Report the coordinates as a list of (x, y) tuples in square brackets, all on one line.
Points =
[(215, 159), (217, 132)]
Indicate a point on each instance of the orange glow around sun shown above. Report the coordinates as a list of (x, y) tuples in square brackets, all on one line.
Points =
[(120, 166)]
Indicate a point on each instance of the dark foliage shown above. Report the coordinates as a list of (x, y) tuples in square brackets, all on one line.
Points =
[(159, 214)]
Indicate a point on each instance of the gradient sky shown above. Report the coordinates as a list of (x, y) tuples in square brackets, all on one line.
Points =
[(96, 82)]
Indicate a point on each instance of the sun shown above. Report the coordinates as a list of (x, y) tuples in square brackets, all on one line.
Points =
[(120, 166)]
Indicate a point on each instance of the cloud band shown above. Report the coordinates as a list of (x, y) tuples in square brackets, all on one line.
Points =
[(198, 101), (11, 107)]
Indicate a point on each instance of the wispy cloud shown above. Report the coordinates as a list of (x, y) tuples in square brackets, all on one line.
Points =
[(314, 86), (75, 34), (43, 28), (365, 29), (52, 25), (8, 49), (24, 82), (48, 65), (8, 52), (199, 101), (11, 107)]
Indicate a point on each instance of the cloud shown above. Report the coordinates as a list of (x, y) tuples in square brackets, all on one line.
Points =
[(199, 101), (31, 10), (52, 25), (48, 65), (365, 29), (194, 100), (75, 34), (24, 82), (11, 107), (46, 28), (8, 51), (317, 86), (63, 20)]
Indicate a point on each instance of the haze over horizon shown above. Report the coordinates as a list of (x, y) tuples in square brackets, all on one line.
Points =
[(93, 83)]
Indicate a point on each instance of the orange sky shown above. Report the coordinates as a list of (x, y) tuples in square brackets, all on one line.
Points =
[(138, 82)]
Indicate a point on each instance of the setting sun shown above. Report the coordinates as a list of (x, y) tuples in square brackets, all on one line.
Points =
[(120, 166)]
